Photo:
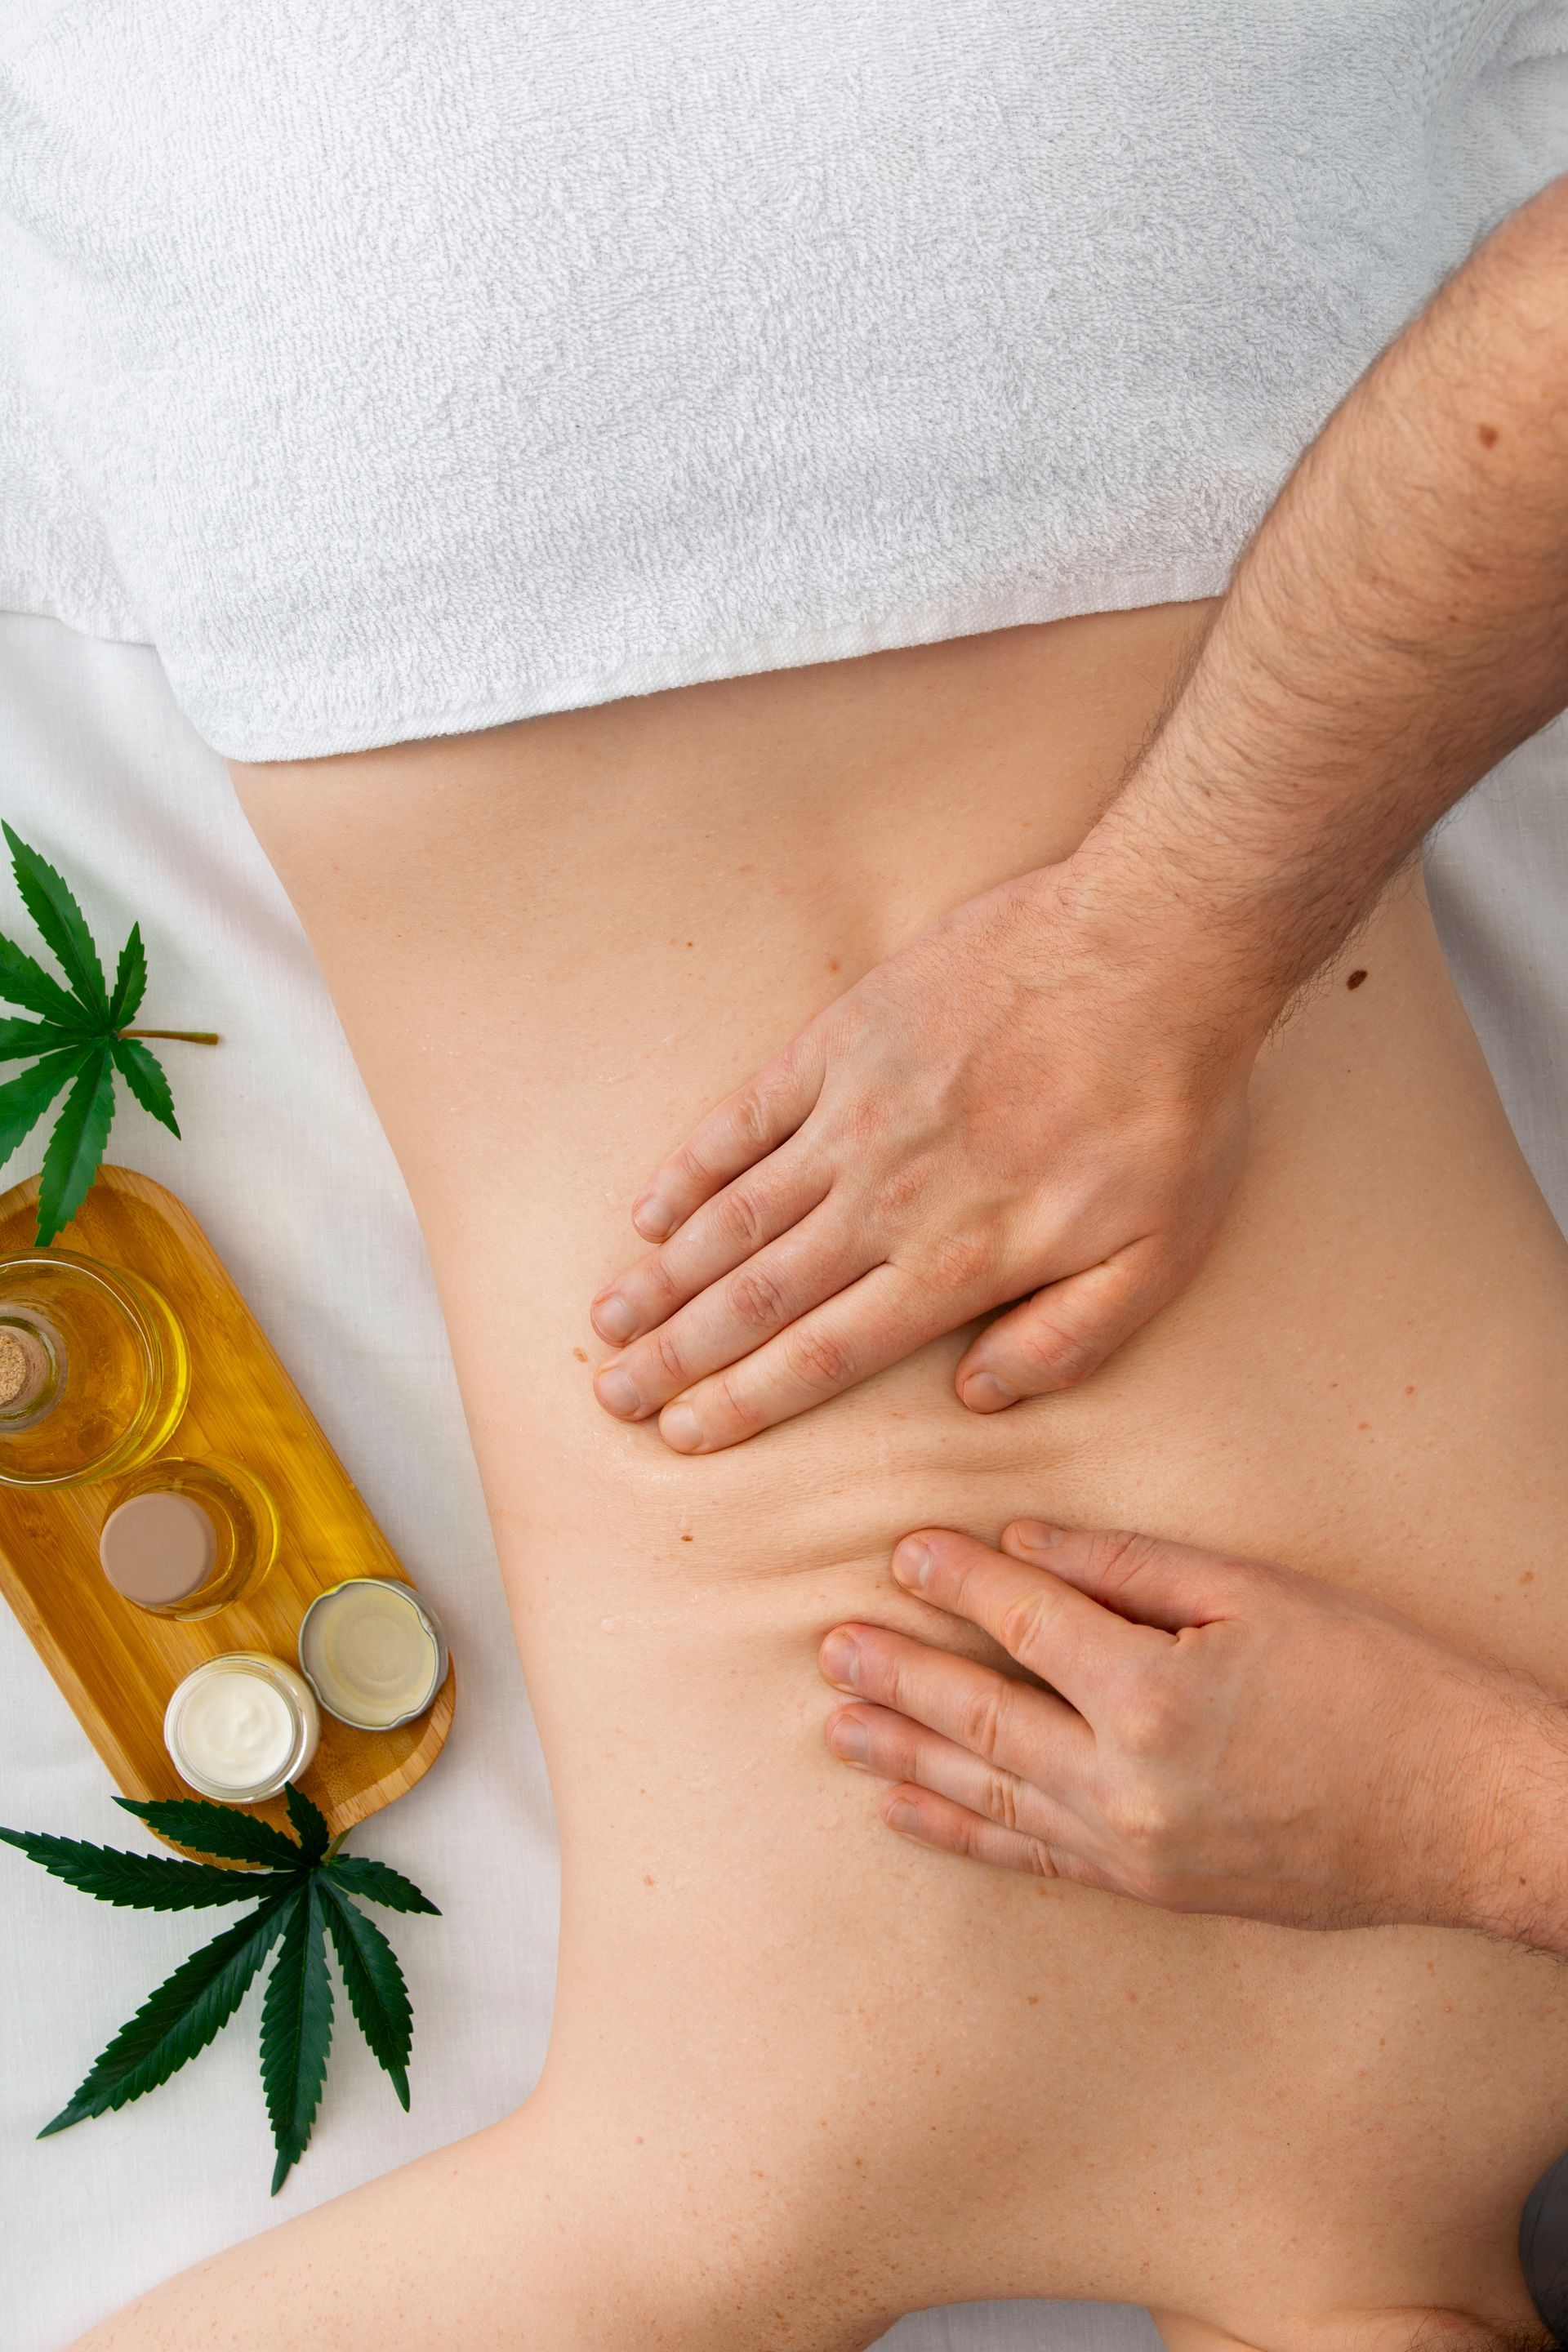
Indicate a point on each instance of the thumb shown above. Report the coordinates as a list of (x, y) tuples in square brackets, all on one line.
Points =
[(1140, 1577), (1065, 1331)]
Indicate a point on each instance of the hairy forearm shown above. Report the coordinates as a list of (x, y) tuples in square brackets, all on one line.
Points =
[(1398, 623), (1517, 1882)]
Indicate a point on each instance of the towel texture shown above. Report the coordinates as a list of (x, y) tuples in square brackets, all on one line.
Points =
[(396, 371)]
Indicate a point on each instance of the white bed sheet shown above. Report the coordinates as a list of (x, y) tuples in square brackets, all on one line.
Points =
[(285, 1165)]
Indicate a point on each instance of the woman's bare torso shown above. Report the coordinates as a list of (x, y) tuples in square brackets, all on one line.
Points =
[(803, 2078)]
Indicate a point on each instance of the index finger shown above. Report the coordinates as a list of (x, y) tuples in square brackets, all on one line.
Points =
[(1047, 1625), (738, 1132)]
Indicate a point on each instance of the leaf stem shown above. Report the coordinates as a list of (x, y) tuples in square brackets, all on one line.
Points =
[(186, 1036)]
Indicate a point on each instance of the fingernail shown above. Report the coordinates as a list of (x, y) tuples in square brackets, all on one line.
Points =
[(679, 1427), (983, 1393), (841, 1660), (1034, 1535), (618, 1393), (651, 1217), (911, 1563), (613, 1319), (901, 1815), (850, 1741)]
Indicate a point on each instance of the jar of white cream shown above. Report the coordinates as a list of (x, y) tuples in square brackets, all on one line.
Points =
[(240, 1726)]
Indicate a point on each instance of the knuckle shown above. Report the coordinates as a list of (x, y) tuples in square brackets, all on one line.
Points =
[(1145, 1825), (756, 1300), (899, 1189), (820, 1360), (1117, 1558), (982, 1722), (1022, 1625), (741, 1216), (667, 1356), (1148, 1723), (1001, 1799), (865, 1120), (963, 1262), (1056, 1354), (749, 1118)]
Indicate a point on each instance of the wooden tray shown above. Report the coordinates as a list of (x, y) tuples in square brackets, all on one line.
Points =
[(116, 1663)]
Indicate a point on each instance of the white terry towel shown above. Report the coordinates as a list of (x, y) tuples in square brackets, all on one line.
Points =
[(399, 370)]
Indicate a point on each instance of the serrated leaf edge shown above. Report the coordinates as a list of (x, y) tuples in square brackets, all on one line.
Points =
[(171, 1816), (62, 926), (130, 980), (186, 1885), (75, 1150), (249, 1938), (292, 2082), (346, 1923), (349, 1869)]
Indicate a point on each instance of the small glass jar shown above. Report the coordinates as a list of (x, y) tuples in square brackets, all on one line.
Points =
[(373, 1652), (184, 1538), (240, 1726), (94, 1370)]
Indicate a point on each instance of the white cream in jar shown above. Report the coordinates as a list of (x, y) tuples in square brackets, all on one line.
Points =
[(240, 1726)]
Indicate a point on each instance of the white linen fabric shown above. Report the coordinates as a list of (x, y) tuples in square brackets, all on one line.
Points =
[(284, 1163), (400, 371)]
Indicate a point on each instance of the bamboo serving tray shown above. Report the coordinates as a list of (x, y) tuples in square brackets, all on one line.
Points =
[(117, 1664)]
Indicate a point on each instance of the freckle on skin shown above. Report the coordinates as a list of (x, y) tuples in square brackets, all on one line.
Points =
[(833, 964), (581, 1354), (647, 1881), (1487, 435), (1529, 1577), (686, 1538)]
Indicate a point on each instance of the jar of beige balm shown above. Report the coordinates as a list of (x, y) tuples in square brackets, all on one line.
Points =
[(184, 1538), (373, 1652), (240, 1726)]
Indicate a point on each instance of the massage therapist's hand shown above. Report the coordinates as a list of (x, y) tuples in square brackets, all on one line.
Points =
[(1043, 1093), (1018, 1102), (1217, 1736)]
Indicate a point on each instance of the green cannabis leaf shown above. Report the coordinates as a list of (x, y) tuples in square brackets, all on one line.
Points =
[(303, 1891), (81, 1040)]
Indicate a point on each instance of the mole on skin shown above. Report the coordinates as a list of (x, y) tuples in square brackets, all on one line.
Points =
[(1355, 980)]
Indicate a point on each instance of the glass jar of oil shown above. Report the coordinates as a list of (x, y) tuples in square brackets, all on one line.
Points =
[(94, 1370)]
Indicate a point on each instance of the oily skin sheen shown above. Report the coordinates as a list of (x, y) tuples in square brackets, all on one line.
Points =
[(806, 2076)]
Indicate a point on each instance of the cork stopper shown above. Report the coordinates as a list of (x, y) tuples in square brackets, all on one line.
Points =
[(24, 1369)]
